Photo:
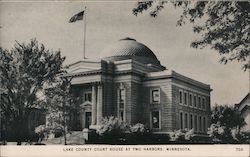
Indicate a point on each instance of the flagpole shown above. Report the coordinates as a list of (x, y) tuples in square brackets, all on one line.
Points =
[(84, 35)]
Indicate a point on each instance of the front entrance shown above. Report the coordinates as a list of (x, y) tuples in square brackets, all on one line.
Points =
[(87, 119)]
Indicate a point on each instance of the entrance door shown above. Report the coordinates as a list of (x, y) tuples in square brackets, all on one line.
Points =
[(87, 119)]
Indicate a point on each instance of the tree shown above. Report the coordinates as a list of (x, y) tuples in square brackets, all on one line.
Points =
[(61, 103), (226, 124), (227, 116), (25, 71), (222, 25)]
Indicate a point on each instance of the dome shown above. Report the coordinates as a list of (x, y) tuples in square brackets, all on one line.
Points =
[(129, 48)]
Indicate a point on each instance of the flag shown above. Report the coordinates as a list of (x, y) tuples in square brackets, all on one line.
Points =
[(76, 17)]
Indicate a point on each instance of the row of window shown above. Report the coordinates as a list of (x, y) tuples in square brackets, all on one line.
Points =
[(192, 121), (191, 99)]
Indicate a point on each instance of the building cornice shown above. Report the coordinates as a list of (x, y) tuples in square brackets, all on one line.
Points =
[(84, 61), (93, 72), (170, 74)]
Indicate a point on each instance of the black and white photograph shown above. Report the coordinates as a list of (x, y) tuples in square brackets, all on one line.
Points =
[(125, 75)]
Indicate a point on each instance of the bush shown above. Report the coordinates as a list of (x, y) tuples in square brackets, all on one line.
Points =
[(222, 134), (54, 125), (182, 136), (114, 131)]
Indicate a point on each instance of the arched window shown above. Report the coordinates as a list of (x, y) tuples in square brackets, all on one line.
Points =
[(195, 123), (181, 120), (190, 99), (186, 121), (200, 124), (204, 124), (180, 97), (199, 102), (203, 103), (195, 101), (185, 98), (191, 121)]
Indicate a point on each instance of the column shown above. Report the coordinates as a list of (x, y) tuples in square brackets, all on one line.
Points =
[(93, 114), (99, 103)]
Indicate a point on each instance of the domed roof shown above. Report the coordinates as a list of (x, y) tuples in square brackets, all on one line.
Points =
[(129, 48)]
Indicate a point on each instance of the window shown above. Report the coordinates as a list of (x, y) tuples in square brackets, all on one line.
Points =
[(181, 120), (199, 102), (203, 103), (180, 97), (191, 121), (185, 98), (190, 99), (121, 115), (195, 101), (121, 102), (122, 95), (155, 119), (204, 124), (195, 123), (87, 96), (155, 96), (186, 121), (121, 98), (200, 124)]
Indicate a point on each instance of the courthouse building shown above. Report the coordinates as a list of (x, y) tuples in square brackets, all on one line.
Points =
[(129, 82)]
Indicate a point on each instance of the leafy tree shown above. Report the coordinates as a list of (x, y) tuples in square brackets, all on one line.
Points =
[(25, 71), (226, 125), (227, 116), (61, 103), (222, 25)]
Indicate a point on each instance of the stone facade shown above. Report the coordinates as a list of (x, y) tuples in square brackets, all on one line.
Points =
[(130, 83)]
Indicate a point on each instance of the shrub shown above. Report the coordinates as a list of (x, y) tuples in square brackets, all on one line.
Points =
[(182, 136), (138, 129), (222, 134), (112, 130), (41, 131), (53, 126)]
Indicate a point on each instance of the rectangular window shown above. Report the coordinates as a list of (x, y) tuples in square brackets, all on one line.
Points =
[(121, 102), (190, 99), (186, 121), (181, 120), (87, 97), (195, 101), (195, 123), (180, 97), (155, 96), (203, 103), (199, 102), (191, 121), (200, 124), (204, 124), (121, 115), (122, 95), (185, 98), (155, 115)]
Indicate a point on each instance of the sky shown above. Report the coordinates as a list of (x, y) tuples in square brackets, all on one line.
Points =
[(109, 21)]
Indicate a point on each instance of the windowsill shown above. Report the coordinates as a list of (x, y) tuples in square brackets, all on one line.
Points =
[(155, 103), (156, 129)]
